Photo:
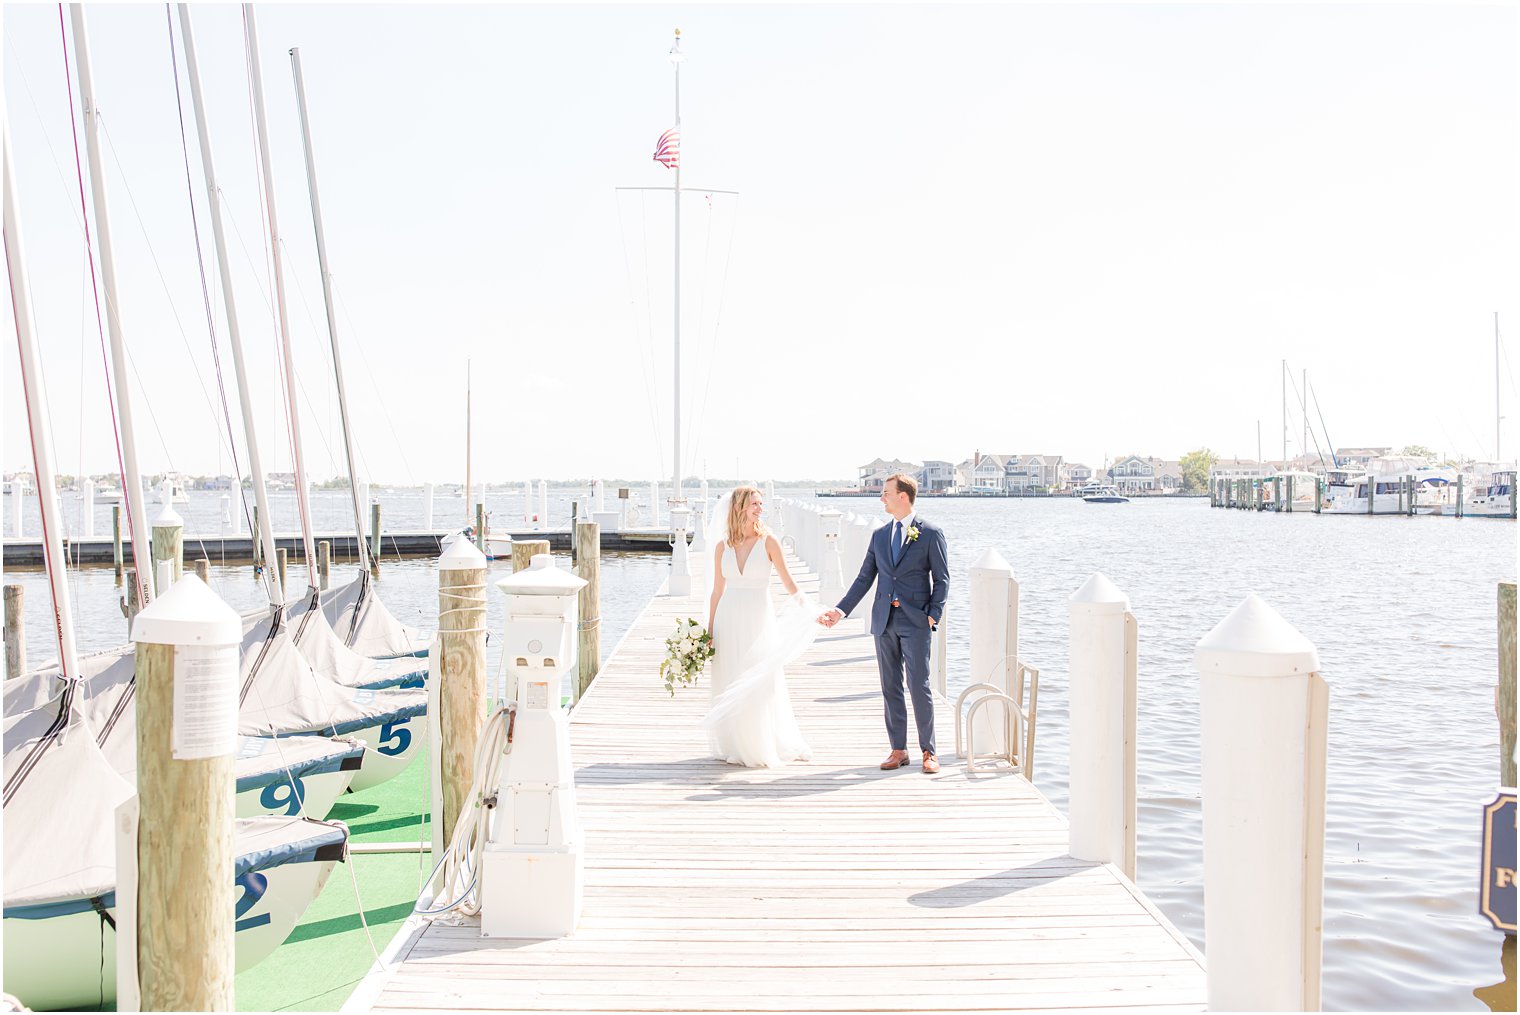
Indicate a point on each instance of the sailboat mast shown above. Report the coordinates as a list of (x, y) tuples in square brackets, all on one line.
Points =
[(303, 490), (265, 533), (332, 321), (1284, 379), (469, 446), (675, 486), (131, 480), (1498, 457), (37, 424)]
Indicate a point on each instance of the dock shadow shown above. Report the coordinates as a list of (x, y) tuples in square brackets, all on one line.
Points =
[(995, 886), (843, 662), (342, 924)]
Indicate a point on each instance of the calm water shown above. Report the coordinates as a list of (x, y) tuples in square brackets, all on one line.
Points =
[(1402, 611)]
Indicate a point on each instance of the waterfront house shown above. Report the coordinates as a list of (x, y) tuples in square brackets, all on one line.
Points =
[(874, 474), (1133, 474), (1168, 476), (936, 477), (989, 473), (1239, 468), (1077, 475), (1358, 458)]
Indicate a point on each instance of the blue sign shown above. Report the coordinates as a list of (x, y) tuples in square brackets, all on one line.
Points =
[(1496, 900)]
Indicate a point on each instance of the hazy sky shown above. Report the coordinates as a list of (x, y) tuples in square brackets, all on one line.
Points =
[(1078, 230)]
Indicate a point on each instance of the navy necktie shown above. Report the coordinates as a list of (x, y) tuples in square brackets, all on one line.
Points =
[(897, 543)]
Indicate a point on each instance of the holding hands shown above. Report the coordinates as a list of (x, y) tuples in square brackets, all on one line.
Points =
[(831, 616)]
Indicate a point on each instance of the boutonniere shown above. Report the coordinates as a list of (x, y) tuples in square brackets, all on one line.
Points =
[(912, 533)]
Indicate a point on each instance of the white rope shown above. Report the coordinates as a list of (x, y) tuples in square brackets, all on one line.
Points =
[(461, 861)]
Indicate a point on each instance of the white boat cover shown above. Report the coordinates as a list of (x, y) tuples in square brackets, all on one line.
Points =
[(61, 794), (327, 654), (362, 622)]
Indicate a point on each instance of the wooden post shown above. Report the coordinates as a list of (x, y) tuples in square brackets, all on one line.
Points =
[(324, 563), (462, 669), (480, 527), (202, 569), (131, 603), (116, 554), (1505, 695), (574, 520), (1371, 494), (15, 632), (374, 539), (282, 559), (1288, 501), (1459, 495), (1319, 494), (523, 551), (185, 747), (168, 546), (1413, 489), (588, 550)]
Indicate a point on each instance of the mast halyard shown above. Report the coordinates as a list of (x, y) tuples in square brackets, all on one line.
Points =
[(1498, 419), (265, 534), (332, 321), (303, 489), (37, 425), (678, 496), (131, 479)]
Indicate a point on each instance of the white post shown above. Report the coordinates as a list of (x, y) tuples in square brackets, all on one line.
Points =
[(229, 517), (527, 503), (89, 508), (830, 580), (654, 505), (599, 496), (770, 489), (168, 546), (17, 493), (680, 562), (543, 504), (994, 629), (1102, 808), (1264, 711), (427, 506)]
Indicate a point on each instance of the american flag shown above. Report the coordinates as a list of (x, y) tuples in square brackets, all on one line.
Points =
[(668, 150)]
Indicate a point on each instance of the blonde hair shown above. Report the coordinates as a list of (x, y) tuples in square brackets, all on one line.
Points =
[(738, 504)]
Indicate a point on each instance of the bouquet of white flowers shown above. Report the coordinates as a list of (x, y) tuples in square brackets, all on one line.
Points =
[(686, 652)]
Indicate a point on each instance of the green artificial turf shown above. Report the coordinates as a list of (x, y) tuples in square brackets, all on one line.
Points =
[(328, 953)]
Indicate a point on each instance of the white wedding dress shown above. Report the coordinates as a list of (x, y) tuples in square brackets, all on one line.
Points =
[(751, 721)]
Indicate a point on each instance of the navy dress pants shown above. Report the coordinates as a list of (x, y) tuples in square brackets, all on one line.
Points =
[(902, 650)]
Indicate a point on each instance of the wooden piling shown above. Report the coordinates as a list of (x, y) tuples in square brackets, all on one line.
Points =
[(324, 563), (185, 951), (588, 550), (462, 690), (282, 560), (15, 631), (1371, 494), (1319, 494), (202, 569), (524, 550), (1459, 495), (1288, 501), (131, 604), (374, 539), (1505, 695), (116, 555), (480, 527), (168, 545)]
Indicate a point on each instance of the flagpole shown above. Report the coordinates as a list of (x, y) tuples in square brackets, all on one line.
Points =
[(676, 56)]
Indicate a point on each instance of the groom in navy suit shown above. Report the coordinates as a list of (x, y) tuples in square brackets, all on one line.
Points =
[(909, 563)]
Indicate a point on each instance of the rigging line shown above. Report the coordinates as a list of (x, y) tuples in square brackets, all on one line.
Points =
[(200, 264), (722, 297), (646, 368), (693, 428), (380, 400), (144, 581), (152, 253), (659, 441)]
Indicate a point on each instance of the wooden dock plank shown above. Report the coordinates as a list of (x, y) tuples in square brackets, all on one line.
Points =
[(828, 885)]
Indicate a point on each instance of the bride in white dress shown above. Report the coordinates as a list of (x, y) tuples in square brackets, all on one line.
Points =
[(751, 721)]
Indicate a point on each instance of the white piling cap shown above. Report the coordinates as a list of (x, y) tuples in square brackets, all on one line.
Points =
[(188, 614), (463, 555), (991, 560), (1254, 640), (168, 518), (1099, 595), (541, 578)]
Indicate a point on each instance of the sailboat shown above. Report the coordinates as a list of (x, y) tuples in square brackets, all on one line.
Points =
[(1494, 498), (61, 787)]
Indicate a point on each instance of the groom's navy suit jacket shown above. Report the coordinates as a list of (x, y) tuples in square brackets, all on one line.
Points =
[(920, 580)]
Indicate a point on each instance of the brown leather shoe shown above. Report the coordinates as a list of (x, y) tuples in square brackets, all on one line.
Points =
[(931, 764), (895, 760)]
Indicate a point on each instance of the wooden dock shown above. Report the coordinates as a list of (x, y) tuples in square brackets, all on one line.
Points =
[(826, 886)]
